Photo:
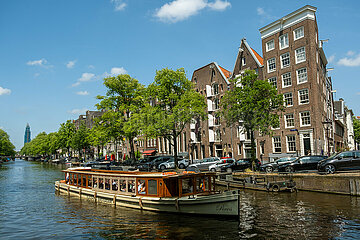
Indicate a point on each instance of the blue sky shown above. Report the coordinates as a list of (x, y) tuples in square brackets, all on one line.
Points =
[(54, 54)]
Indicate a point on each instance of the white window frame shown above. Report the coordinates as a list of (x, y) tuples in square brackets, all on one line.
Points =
[(267, 45), (292, 99), (268, 65), (297, 55), (298, 75), (288, 143), (300, 28), (276, 142), (300, 94), (286, 36), (286, 120), (243, 61), (301, 119), (273, 83), (287, 55), (282, 80)]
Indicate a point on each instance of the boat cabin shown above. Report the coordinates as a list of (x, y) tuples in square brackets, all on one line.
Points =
[(167, 184)]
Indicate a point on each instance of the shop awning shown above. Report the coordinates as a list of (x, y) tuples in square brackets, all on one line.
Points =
[(149, 152)]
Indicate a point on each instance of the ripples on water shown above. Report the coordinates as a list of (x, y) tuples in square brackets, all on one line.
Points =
[(30, 209)]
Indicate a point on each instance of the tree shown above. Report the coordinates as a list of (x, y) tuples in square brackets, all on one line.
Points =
[(80, 140), (6, 147), (97, 136), (65, 133), (172, 104), (254, 102), (356, 123), (124, 99)]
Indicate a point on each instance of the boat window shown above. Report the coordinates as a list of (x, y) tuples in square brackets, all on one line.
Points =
[(89, 181), (83, 183), (200, 184), (95, 182), (101, 183), (152, 187), (75, 179), (114, 185), (123, 185), (141, 187), (71, 178), (187, 185), (107, 184), (131, 186)]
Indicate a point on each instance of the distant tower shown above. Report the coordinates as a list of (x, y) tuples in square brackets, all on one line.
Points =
[(27, 137)]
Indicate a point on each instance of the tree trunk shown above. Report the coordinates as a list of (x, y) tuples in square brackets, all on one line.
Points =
[(175, 150), (253, 150), (132, 150)]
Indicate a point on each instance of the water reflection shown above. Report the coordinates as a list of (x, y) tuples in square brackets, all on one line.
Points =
[(29, 209)]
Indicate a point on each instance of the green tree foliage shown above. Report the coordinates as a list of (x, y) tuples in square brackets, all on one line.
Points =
[(97, 135), (6, 147), (356, 123), (65, 134), (39, 146), (124, 99), (254, 102), (173, 103), (80, 140)]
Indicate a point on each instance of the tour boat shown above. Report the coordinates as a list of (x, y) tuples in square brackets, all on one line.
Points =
[(185, 192)]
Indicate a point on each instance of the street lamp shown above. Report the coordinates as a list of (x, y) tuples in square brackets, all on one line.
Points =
[(327, 134)]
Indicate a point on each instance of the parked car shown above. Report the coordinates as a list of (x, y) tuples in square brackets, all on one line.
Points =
[(154, 164), (272, 166), (205, 163), (302, 163), (343, 161), (240, 165), (217, 166), (182, 163)]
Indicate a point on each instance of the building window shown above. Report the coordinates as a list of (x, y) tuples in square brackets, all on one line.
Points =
[(217, 121), (239, 148), (285, 60), (288, 99), (286, 80), (289, 120), (298, 33), (270, 45), (271, 65), (243, 61), (300, 55), (273, 82), (277, 144), (283, 41), (303, 96), (291, 145), (301, 75), (216, 104), (215, 89), (305, 118)]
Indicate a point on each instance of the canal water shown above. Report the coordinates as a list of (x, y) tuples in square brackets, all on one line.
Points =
[(30, 209)]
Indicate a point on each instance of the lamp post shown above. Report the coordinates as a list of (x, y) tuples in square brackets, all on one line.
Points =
[(327, 135)]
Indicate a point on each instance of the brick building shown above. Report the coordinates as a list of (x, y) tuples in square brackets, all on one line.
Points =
[(295, 62)]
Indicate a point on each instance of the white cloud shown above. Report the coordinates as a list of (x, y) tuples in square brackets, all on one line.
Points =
[(85, 77), (91, 66), (331, 58), (75, 84), (71, 64), (260, 11), (40, 62), (82, 93), (78, 111), (36, 75), (4, 91), (119, 5), (117, 71), (179, 10), (350, 62), (350, 53), (219, 5)]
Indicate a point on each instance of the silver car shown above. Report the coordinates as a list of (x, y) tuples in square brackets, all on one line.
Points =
[(205, 163), (217, 166), (183, 163)]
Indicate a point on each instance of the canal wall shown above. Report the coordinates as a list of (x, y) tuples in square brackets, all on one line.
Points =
[(340, 183)]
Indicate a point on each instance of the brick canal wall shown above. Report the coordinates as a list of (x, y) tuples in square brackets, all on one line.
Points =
[(340, 183)]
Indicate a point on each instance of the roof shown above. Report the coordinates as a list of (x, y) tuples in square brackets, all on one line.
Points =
[(259, 58), (226, 72)]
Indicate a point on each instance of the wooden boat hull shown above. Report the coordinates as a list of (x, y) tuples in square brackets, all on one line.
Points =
[(225, 203)]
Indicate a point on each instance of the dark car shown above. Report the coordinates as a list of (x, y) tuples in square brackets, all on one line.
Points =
[(272, 166), (154, 164), (302, 163), (240, 165), (342, 161)]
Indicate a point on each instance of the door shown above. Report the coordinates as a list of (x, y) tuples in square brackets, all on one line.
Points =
[(307, 145)]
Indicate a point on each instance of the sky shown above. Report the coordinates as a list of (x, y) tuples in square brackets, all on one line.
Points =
[(54, 54)]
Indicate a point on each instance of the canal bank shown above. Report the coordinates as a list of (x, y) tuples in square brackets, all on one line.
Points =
[(339, 183)]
